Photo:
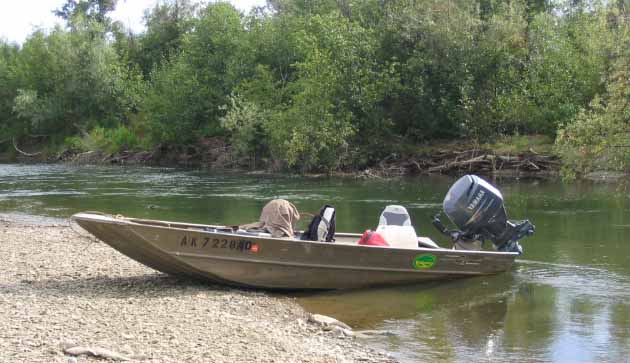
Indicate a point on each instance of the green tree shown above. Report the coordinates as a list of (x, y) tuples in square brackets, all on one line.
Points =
[(246, 121), (91, 9), (564, 70), (326, 84), (186, 95), (336, 81), (8, 90), (597, 138), (166, 23), (70, 81), (431, 43), (173, 104), (304, 7)]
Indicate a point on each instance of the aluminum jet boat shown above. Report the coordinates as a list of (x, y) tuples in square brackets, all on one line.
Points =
[(228, 255)]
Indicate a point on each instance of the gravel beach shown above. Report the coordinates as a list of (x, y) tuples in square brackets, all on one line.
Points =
[(59, 289)]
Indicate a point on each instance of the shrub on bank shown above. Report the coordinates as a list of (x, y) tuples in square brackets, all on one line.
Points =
[(101, 139), (599, 138)]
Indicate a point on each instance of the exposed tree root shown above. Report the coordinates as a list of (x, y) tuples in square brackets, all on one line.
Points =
[(23, 152)]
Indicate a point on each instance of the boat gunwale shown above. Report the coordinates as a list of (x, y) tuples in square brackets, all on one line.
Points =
[(150, 223)]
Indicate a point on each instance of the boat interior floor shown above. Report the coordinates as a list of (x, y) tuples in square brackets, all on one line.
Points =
[(340, 238)]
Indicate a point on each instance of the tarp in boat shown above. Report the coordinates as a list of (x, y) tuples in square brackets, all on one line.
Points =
[(278, 217)]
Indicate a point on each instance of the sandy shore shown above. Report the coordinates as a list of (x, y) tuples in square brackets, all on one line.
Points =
[(59, 289)]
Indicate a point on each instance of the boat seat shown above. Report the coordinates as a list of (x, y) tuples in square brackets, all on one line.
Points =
[(395, 227), (395, 215)]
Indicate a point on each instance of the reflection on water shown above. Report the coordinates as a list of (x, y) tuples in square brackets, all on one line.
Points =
[(566, 300), (575, 316)]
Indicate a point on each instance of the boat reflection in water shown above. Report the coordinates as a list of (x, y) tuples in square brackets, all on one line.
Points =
[(540, 313)]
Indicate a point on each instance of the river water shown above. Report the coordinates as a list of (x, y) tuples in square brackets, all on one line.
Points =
[(566, 300)]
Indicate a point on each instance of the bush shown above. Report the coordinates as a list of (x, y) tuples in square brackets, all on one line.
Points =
[(121, 138), (597, 139), (245, 121), (75, 144), (100, 139)]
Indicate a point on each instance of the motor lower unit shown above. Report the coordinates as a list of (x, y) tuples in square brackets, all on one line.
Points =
[(477, 209)]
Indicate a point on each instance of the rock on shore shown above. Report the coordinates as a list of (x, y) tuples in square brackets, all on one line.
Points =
[(59, 289)]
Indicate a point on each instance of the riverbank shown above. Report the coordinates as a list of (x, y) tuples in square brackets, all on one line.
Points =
[(63, 289), (510, 157)]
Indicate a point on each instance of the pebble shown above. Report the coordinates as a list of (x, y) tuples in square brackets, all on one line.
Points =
[(97, 297)]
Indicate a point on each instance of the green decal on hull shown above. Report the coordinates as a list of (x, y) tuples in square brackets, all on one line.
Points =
[(424, 261)]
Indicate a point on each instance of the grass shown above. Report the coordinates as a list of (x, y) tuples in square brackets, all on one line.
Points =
[(541, 144), (504, 145)]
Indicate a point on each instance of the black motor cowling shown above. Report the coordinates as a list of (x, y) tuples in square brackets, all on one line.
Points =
[(477, 209)]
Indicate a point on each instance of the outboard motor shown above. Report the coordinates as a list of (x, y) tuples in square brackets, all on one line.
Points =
[(477, 209)]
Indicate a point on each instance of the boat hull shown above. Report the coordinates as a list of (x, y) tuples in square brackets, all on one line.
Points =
[(276, 263)]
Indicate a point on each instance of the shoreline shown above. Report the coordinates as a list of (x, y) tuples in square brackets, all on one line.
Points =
[(439, 161), (446, 159), (61, 289)]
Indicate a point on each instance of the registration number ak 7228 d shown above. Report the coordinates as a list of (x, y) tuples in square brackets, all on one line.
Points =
[(241, 245)]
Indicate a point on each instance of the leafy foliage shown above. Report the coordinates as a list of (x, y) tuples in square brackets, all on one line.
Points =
[(321, 85), (598, 137), (246, 122), (166, 23), (105, 140)]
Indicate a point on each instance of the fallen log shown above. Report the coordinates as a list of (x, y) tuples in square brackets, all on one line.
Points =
[(416, 164), (468, 161), (454, 164), (508, 158), (533, 165), (23, 152)]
